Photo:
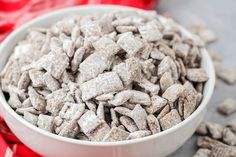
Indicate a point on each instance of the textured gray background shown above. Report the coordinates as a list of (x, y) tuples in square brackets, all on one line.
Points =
[(220, 16)]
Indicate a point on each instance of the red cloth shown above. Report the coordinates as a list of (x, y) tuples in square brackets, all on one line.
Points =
[(10, 146), (13, 13)]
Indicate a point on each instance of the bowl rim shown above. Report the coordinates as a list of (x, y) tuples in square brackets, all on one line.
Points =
[(9, 110)]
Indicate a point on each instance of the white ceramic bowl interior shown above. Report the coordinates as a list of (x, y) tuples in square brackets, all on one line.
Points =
[(51, 145)]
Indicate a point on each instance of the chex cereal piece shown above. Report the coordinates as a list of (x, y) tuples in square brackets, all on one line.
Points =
[(138, 134), (100, 111), (24, 80), (121, 127), (156, 54), (232, 125), (197, 75), (164, 66), (45, 122), (56, 63), (75, 33), (181, 49), (123, 29), (129, 43), (33, 119), (55, 44), (207, 142), (128, 123), (190, 101), (173, 92), (150, 31), (59, 127), (149, 86), (157, 103), (105, 23), (215, 130), (79, 42), (82, 136), (67, 77), (182, 68), (202, 152), (122, 71), (21, 110), (51, 83), (148, 68), (91, 28), (139, 115), (225, 73), (139, 97), (116, 134), (134, 69), (70, 110), (153, 124), (114, 118), (36, 76), (202, 128), (104, 83), (55, 101), (91, 105), (146, 50), (133, 96), (69, 97), (58, 121), (106, 47), (105, 97), (220, 150), (38, 101), (28, 109), (166, 50), (123, 111), (180, 106), (121, 97), (100, 132), (122, 22), (199, 87), (71, 129), (21, 93), (14, 100), (68, 47), (77, 58), (89, 122), (164, 111), (153, 79), (26, 103), (227, 107), (92, 66), (129, 105), (193, 55), (166, 81), (229, 137), (77, 96), (170, 119)]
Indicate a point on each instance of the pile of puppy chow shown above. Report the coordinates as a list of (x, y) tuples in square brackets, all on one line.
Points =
[(107, 77)]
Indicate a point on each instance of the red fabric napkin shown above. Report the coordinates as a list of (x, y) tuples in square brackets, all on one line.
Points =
[(10, 146), (13, 13)]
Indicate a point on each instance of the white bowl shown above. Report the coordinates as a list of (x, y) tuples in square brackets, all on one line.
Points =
[(51, 145)]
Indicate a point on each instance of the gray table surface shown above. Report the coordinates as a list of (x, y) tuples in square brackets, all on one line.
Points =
[(220, 16)]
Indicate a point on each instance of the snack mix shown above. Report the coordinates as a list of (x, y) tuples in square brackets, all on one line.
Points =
[(108, 77)]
